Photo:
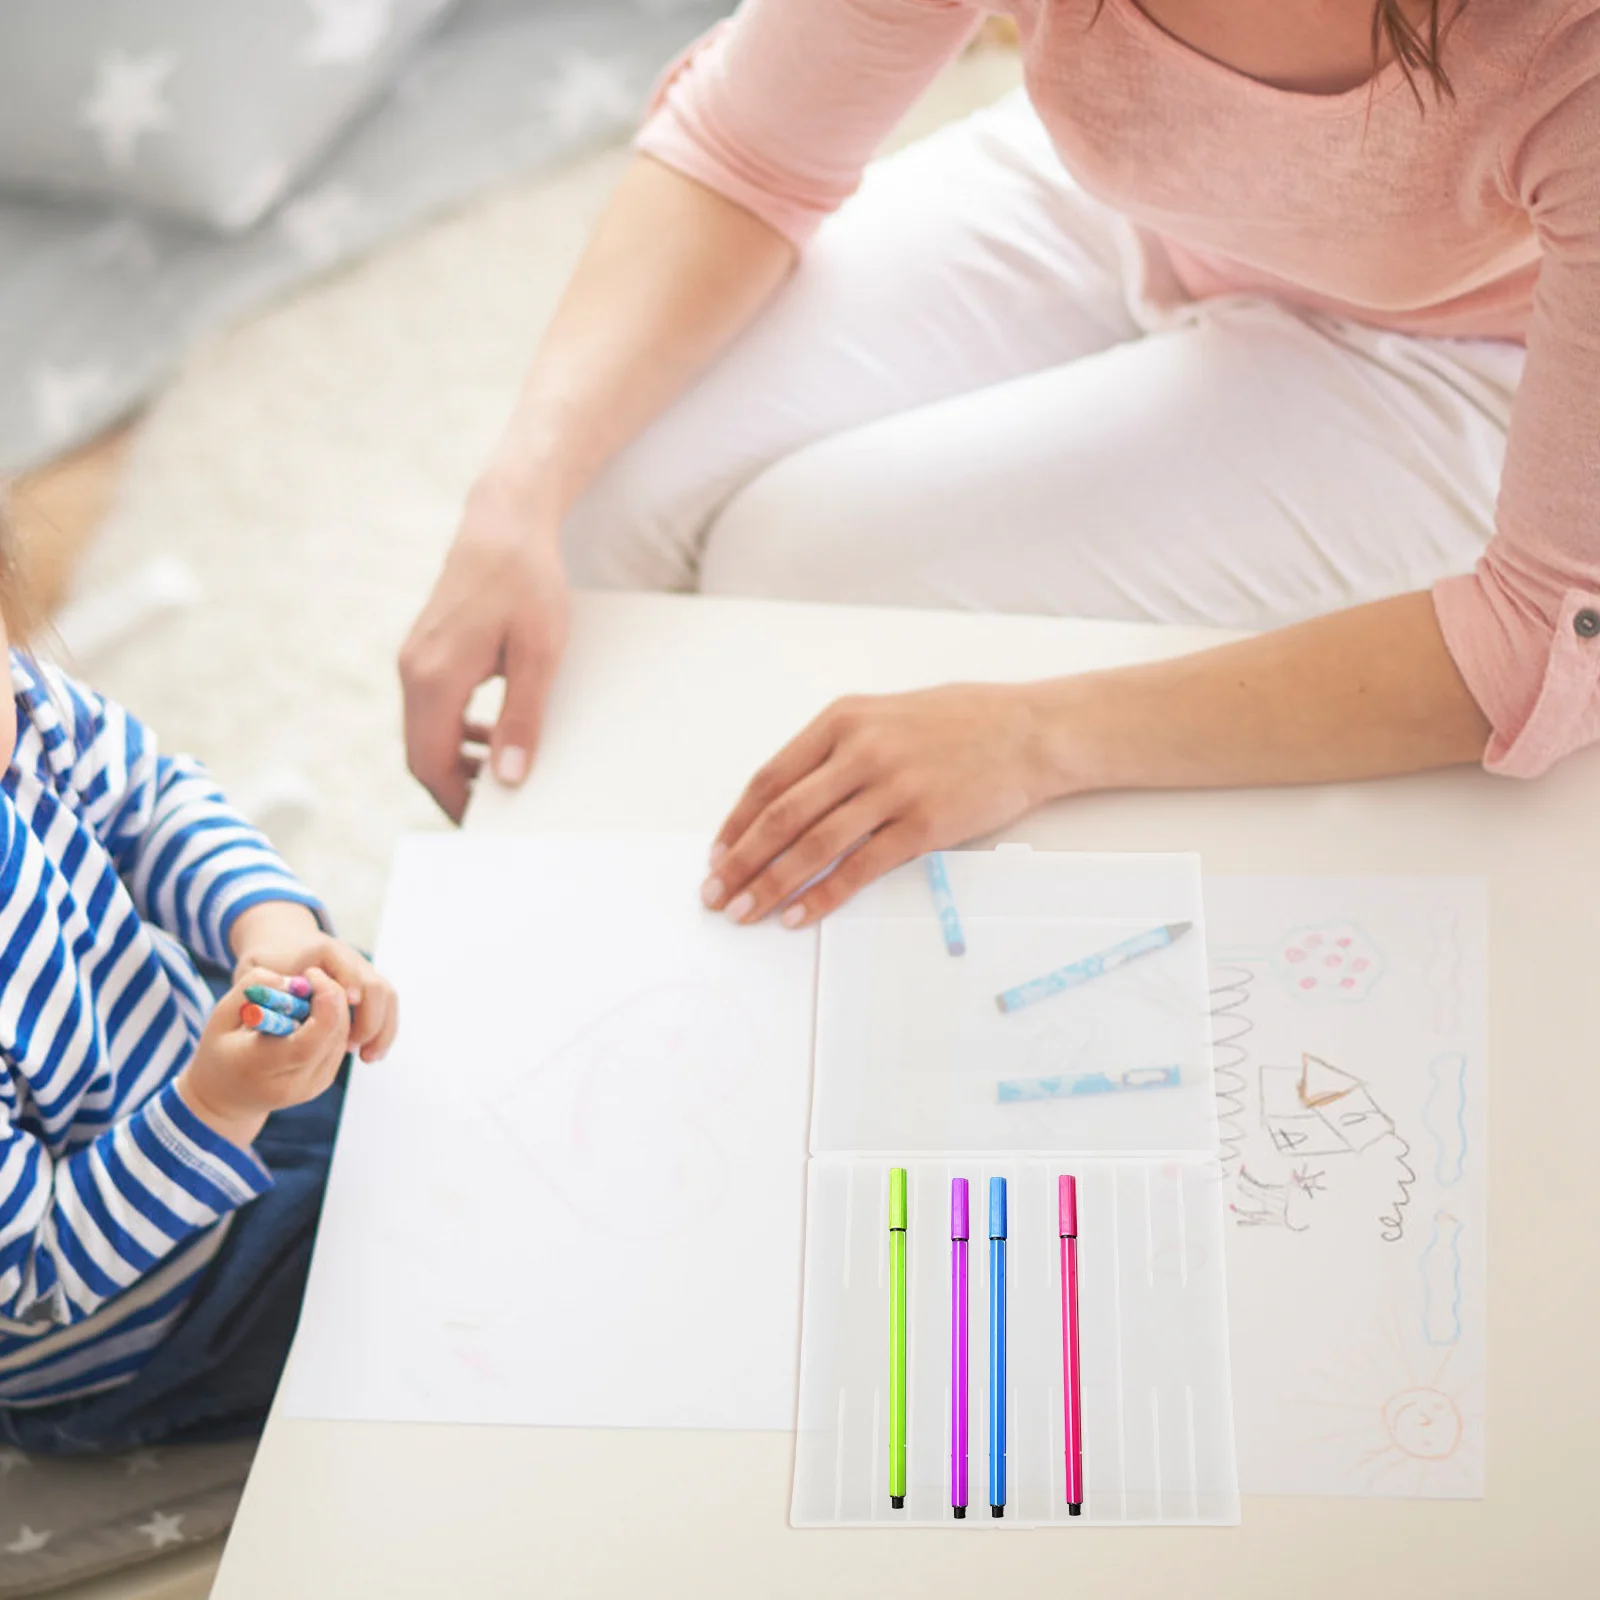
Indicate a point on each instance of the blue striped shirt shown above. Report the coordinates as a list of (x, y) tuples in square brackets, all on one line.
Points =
[(116, 862)]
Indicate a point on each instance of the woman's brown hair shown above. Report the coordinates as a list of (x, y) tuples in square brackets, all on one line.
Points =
[(1417, 49)]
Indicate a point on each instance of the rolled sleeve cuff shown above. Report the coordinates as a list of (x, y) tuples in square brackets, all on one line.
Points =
[(1538, 683), (237, 1174), (676, 134)]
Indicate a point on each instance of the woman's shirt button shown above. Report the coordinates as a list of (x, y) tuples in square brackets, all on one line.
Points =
[(1586, 624)]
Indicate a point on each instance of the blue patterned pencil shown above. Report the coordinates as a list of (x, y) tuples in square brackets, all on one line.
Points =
[(945, 904), (1069, 977)]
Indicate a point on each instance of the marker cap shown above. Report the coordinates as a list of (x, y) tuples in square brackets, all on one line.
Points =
[(1068, 1206), (897, 1199), (997, 1208), (959, 1206)]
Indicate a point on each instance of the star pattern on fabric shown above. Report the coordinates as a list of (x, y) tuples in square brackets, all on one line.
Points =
[(129, 100), (27, 1541), (162, 1529), (10, 1460), (347, 30), (588, 92), (317, 222), (64, 397)]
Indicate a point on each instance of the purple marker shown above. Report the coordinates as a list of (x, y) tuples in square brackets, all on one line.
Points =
[(958, 1345)]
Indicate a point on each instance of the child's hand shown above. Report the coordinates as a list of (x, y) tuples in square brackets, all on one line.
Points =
[(238, 1077), (286, 940)]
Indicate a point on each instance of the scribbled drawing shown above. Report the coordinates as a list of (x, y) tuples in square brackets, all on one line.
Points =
[(1407, 1422), (1444, 1115), (1444, 967), (1331, 962), (1318, 1112), (620, 1120), (1425, 1424), (1309, 1183), (1257, 1204), (1230, 1026), (1440, 1270)]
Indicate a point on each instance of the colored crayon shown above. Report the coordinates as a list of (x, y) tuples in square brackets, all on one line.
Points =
[(253, 1016), (300, 988), (289, 1005)]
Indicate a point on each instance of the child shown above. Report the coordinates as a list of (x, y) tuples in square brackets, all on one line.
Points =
[(161, 1165)]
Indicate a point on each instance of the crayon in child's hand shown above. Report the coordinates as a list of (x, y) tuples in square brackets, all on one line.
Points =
[(288, 1005), (300, 988), (263, 1021)]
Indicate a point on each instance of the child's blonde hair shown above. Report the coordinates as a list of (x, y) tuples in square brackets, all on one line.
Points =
[(15, 606)]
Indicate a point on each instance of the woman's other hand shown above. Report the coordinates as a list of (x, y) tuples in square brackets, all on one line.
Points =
[(498, 609)]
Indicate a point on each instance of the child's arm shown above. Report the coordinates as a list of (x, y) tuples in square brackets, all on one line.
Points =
[(191, 863), (77, 1229)]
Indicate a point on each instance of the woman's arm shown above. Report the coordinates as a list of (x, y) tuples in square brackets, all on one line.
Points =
[(1359, 694), (761, 131), (673, 273)]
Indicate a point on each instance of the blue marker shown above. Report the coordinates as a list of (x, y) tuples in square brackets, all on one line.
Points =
[(945, 904), (1069, 977), (1067, 1084), (997, 1347)]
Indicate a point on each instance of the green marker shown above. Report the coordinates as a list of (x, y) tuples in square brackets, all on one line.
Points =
[(897, 1337)]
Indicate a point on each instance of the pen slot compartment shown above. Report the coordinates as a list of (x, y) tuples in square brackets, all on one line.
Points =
[(1156, 1406)]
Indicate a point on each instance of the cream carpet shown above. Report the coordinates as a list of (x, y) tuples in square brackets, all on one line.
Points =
[(289, 500)]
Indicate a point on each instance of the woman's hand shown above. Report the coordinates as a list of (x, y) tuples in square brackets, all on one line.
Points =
[(871, 783), (498, 609), (237, 1077), (284, 940)]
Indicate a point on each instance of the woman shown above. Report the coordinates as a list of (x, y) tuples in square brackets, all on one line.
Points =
[(1318, 268)]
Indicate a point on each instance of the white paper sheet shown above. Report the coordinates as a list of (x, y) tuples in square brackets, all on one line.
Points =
[(574, 1193), (1349, 1044)]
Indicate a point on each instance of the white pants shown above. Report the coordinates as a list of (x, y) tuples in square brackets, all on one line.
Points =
[(980, 389)]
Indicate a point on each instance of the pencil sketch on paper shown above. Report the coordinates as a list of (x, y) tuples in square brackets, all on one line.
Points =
[(1317, 1122), (1418, 1437), (1331, 962), (623, 1121), (1444, 1115), (1440, 1269), (1443, 969), (1231, 1025)]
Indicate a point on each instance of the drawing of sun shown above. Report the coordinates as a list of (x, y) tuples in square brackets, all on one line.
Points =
[(1407, 1422)]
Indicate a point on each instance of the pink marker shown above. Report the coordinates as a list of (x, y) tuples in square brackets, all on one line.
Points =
[(1071, 1377)]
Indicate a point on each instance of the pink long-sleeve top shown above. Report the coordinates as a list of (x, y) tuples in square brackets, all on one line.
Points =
[(1476, 216)]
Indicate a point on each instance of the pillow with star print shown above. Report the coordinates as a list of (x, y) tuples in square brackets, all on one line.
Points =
[(207, 109)]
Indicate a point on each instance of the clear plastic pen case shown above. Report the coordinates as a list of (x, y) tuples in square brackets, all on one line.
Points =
[(919, 1066)]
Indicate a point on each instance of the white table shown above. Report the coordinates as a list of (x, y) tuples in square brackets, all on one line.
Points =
[(664, 708)]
